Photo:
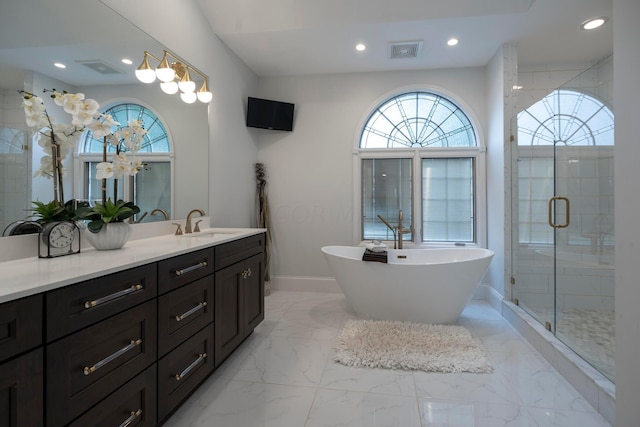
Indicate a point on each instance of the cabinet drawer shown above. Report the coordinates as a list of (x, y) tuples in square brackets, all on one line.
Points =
[(133, 404), (183, 312), (20, 326), (183, 269), (232, 252), (85, 367), (73, 307), (181, 371), (21, 394)]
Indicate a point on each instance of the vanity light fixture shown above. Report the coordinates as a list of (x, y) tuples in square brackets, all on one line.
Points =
[(593, 23), (186, 85), (169, 87), (164, 72), (174, 77)]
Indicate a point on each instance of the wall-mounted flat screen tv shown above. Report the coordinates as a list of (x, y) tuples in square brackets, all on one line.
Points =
[(268, 114)]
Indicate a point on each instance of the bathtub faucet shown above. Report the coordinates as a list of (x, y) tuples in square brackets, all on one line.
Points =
[(401, 230), (397, 230)]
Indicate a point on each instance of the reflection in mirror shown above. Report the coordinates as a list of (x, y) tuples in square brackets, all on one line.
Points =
[(92, 50)]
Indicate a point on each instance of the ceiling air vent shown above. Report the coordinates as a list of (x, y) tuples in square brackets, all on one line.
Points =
[(411, 49), (100, 66)]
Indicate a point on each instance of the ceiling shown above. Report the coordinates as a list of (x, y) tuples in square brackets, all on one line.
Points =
[(36, 33), (298, 37)]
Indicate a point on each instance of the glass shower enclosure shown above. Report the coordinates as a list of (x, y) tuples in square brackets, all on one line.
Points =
[(563, 214)]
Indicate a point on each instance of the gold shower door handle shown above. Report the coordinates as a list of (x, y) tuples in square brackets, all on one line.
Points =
[(567, 213)]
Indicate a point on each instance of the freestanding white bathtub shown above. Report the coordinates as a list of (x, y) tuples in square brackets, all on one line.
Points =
[(416, 285)]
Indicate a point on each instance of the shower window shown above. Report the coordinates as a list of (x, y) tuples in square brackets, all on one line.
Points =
[(419, 140), (577, 129)]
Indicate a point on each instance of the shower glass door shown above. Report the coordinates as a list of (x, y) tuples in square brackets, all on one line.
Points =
[(14, 176), (563, 239)]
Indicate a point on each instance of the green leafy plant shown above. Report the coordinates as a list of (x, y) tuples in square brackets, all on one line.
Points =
[(52, 211), (107, 212)]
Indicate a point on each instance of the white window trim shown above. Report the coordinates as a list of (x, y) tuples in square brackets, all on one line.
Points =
[(479, 153)]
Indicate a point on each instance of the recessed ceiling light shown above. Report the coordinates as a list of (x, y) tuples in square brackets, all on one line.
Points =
[(360, 47), (127, 61), (517, 87), (593, 23), (59, 65), (452, 41)]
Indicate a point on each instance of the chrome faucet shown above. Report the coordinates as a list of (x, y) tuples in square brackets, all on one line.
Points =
[(187, 225)]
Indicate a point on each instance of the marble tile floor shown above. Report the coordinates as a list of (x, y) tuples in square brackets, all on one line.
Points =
[(283, 375)]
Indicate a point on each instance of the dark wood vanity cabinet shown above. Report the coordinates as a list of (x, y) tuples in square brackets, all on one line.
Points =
[(182, 370), (185, 327), (239, 293), (183, 269), (87, 366), (133, 404), (129, 347), (21, 362)]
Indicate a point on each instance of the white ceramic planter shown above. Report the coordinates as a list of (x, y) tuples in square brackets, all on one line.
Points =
[(113, 235)]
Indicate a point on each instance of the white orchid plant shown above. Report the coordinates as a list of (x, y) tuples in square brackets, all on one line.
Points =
[(59, 139), (127, 141)]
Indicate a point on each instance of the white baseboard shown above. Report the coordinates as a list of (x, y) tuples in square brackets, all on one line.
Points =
[(305, 284), (328, 284)]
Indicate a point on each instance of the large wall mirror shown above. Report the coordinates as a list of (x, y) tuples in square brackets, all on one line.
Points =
[(91, 40)]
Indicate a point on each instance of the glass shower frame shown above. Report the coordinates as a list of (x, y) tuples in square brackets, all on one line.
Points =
[(563, 228)]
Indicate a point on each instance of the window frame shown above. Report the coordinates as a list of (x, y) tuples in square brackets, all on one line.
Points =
[(478, 153)]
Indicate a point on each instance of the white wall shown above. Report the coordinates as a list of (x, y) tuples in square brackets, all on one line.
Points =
[(310, 170), (181, 27), (627, 175), (495, 167)]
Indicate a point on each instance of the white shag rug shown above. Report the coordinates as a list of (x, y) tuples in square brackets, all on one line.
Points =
[(409, 346)]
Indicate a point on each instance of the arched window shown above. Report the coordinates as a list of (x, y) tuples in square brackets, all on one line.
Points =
[(565, 142), (567, 118), (428, 133), (151, 187), (417, 119)]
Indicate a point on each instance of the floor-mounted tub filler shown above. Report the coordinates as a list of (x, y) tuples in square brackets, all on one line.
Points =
[(415, 285)]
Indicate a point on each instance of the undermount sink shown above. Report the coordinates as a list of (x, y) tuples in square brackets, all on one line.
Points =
[(211, 233)]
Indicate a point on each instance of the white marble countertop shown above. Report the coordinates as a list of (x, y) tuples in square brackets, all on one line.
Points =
[(29, 276)]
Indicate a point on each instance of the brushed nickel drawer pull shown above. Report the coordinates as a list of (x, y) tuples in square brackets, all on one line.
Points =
[(193, 364), (192, 311), (132, 418), (89, 370), (198, 266), (95, 302)]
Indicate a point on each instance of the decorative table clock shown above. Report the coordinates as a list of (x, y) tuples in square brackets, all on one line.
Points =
[(58, 238)]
